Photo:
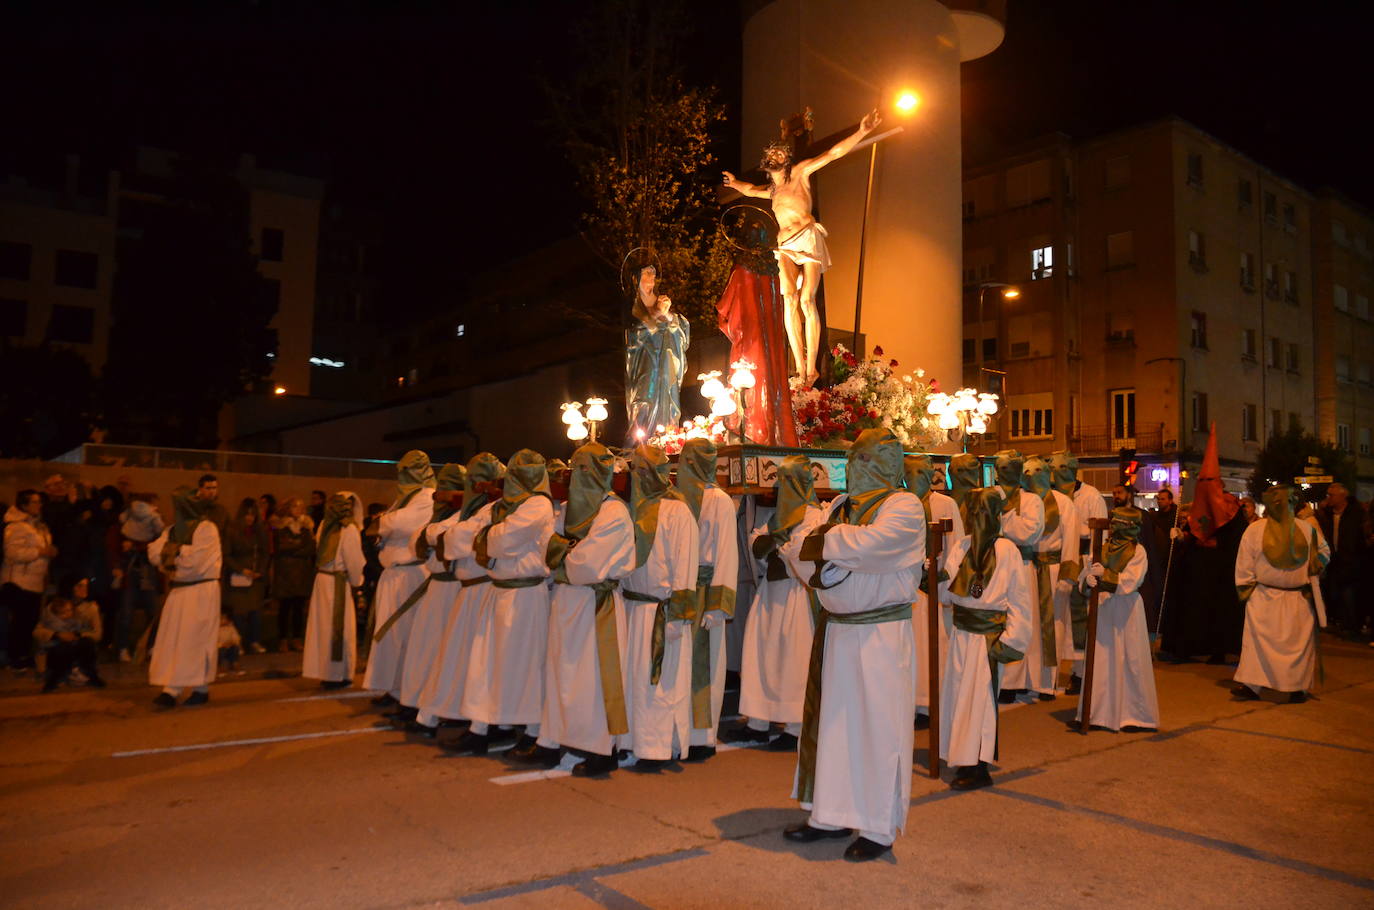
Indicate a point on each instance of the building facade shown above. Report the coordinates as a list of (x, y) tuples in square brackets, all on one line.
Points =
[(1164, 281)]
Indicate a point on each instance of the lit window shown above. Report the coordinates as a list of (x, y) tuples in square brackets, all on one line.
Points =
[(460, 331), (1042, 262)]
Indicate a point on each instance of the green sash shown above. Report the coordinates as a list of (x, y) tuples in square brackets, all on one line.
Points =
[(680, 606), (405, 606), (336, 636), (530, 582), (1044, 588), (811, 712)]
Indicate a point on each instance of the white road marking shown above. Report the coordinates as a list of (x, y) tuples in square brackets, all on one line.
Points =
[(248, 742), (330, 697)]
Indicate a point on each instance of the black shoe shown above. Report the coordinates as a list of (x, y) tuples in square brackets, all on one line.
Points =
[(384, 701), (402, 718), (164, 700), (700, 753), (745, 734), (446, 724), (649, 765), (1075, 686), (196, 698), (784, 743), (922, 722), (1244, 693), (1134, 728), (1297, 698), (863, 850), (95, 682), (537, 755), (805, 834), (501, 735), (401, 711), (596, 766), (336, 684), (1046, 696), (1008, 696), (424, 731), (468, 744), (971, 777)]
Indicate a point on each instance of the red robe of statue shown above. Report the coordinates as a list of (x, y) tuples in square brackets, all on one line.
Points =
[(751, 317)]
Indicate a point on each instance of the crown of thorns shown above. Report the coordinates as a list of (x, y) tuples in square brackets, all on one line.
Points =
[(778, 145)]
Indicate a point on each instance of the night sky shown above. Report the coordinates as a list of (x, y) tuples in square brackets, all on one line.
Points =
[(431, 116)]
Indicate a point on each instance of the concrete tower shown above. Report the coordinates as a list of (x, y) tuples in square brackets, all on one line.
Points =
[(843, 58)]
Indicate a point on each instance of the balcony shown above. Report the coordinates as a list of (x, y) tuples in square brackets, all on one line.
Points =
[(1104, 440)]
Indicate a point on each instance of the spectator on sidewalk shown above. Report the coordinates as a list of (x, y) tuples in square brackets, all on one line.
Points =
[(136, 577), (246, 564), (317, 499), (59, 514), (69, 633), (230, 644), (267, 506), (28, 550), (293, 570), (1342, 524)]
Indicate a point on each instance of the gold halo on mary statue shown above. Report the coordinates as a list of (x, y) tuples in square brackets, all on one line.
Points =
[(635, 261)]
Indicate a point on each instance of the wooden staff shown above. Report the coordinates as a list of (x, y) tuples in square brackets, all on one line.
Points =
[(1085, 698), (935, 544)]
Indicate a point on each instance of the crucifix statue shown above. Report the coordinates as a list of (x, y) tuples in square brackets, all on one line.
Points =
[(802, 253)]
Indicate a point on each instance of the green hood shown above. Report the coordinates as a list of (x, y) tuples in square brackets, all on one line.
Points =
[(483, 467), (873, 473), (696, 470), (796, 492), (593, 470), (413, 474)]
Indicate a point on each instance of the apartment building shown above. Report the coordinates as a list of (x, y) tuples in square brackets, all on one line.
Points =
[(1164, 282)]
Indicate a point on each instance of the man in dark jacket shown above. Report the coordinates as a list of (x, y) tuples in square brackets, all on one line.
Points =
[(1342, 522)]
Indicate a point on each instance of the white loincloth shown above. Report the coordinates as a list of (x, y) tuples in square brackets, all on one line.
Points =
[(806, 245)]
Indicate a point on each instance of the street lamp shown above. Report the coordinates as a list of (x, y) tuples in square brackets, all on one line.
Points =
[(963, 414), (1009, 292)]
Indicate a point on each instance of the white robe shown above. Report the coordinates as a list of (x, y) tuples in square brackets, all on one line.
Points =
[(1278, 648), (1024, 527), (432, 614), (661, 715), (401, 575), (186, 650), (777, 638), (504, 682), (968, 700), (1031, 673), (864, 735), (319, 624), (574, 706), (1075, 546), (941, 506), (442, 695), (718, 547), (1123, 668)]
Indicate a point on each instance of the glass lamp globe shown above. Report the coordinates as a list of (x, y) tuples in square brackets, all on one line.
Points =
[(949, 420), (987, 403), (743, 375), (711, 386), (577, 431), (977, 425), (723, 406), (596, 409), (572, 412)]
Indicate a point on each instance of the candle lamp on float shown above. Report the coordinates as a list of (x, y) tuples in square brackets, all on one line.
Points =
[(583, 426), (965, 413), (742, 380)]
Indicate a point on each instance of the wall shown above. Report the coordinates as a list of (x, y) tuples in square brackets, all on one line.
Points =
[(17, 475)]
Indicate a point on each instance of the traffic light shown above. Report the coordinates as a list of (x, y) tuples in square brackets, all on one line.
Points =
[(1127, 467)]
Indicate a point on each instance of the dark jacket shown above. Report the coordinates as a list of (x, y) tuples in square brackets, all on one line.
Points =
[(1348, 548), (293, 559)]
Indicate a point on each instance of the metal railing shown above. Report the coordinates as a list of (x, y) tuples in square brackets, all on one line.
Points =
[(1111, 440), (228, 462)]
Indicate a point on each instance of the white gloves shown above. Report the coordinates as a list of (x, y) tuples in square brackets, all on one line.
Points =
[(1176, 533), (712, 619), (1093, 574)]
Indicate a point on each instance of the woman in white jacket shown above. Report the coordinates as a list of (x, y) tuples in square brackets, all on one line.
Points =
[(24, 572)]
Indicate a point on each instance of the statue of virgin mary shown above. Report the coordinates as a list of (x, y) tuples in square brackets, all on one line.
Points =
[(655, 359)]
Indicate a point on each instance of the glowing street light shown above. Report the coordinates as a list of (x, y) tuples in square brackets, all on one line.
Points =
[(908, 102), (279, 390)]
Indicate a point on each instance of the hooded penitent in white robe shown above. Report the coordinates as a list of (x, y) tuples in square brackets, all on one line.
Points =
[(574, 700), (1032, 673), (1088, 504), (442, 694), (1279, 645), (432, 614), (661, 715), (864, 734), (402, 575), (1024, 527), (941, 507), (1123, 668), (718, 553), (504, 683), (319, 624), (968, 695), (187, 647), (777, 639)]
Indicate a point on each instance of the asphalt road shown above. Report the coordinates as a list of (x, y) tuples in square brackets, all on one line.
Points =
[(273, 796)]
